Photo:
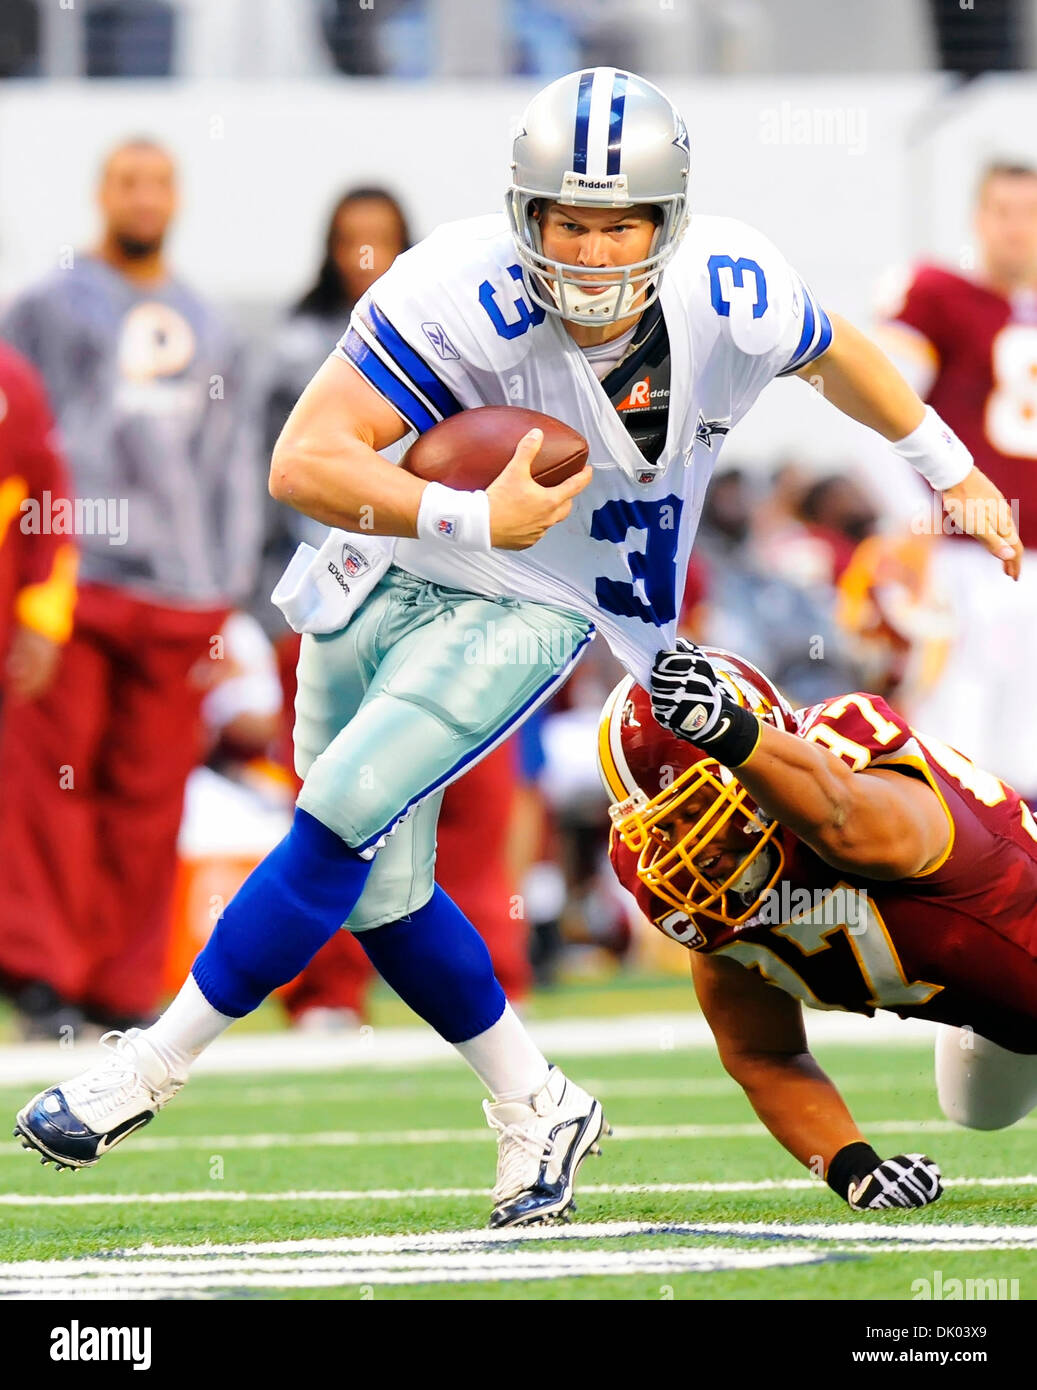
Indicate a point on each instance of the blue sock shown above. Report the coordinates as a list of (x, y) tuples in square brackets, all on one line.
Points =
[(280, 917), (438, 963)]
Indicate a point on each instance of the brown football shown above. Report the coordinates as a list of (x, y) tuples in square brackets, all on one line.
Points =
[(467, 451)]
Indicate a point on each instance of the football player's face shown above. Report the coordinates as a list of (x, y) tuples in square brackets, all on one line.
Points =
[(1006, 225), (366, 240), (596, 237), (138, 197), (719, 857)]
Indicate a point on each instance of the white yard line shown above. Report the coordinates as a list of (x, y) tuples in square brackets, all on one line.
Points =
[(395, 1194), (480, 1256), (402, 1138), (369, 1048), (906, 1230), (199, 1275)]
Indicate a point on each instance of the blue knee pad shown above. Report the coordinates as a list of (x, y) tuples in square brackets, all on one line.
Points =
[(284, 912), (438, 963)]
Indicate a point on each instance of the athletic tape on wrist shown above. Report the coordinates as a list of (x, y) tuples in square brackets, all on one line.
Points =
[(738, 741), (851, 1163), (452, 517), (936, 452)]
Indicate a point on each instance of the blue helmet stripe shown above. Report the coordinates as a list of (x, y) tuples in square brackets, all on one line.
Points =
[(583, 117), (619, 96)]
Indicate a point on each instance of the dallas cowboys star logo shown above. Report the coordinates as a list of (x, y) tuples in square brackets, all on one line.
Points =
[(706, 429)]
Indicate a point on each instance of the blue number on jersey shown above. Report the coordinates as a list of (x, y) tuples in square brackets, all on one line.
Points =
[(655, 566), (528, 315), (737, 268)]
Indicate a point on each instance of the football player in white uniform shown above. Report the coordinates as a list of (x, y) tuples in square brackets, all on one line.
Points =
[(562, 306)]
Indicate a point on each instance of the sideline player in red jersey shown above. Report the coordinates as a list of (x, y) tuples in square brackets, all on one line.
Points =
[(967, 342), (37, 566), (851, 862)]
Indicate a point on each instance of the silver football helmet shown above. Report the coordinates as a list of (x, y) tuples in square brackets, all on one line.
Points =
[(598, 138)]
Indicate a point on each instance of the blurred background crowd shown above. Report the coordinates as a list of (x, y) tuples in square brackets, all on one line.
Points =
[(146, 682)]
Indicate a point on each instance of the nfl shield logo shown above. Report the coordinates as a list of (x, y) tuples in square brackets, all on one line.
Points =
[(646, 477), (353, 561)]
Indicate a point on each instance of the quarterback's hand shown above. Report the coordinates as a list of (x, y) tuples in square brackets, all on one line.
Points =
[(908, 1180), (978, 508), (690, 699), (521, 509)]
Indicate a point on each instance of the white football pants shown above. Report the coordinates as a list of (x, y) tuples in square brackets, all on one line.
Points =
[(981, 1085)]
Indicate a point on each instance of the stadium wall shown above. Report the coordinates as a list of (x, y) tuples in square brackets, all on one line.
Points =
[(847, 176)]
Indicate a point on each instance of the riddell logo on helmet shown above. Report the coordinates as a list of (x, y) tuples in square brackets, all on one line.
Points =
[(581, 182)]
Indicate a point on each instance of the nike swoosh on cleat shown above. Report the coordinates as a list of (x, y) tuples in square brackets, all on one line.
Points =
[(103, 1146)]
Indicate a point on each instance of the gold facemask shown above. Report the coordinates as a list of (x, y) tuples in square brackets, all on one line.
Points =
[(668, 866)]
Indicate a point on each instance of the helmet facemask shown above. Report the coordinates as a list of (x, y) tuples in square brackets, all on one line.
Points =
[(708, 796), (560, 288)]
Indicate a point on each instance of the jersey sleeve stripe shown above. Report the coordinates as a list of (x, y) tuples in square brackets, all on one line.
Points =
[(411, 365), (816, 336), (386, 383)]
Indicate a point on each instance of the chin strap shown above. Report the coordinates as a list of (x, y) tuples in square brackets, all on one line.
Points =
[(596, 308), (755, 875)]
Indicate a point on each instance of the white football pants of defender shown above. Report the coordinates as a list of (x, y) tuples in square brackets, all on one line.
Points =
[(981, 1085), (420, 685), (982, 703)]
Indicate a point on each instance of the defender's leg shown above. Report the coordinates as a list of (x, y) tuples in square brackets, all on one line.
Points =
[(981, 1085)]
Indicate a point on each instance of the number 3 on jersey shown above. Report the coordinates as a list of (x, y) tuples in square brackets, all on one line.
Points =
[(655, 566)]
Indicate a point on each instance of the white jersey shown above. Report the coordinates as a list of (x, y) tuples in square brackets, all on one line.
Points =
[(448, 327)]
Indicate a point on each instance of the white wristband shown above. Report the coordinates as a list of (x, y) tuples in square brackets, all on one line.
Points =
[(452, 517), (935, 451)]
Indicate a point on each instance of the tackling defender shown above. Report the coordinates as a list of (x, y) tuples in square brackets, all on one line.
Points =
[(560, 306), (833, 857)]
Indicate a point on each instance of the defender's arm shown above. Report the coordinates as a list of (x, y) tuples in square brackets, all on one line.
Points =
[(878, 823), (760, 1038)]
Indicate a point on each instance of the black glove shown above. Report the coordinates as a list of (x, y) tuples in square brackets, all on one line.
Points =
[(690, 700), (870, 1183)]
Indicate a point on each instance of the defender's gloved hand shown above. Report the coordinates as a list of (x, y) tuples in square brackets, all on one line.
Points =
[(690, 699), (869, 1183)]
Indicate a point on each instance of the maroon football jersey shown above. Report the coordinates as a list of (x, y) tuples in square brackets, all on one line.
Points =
[(956, 943), (986, 381)]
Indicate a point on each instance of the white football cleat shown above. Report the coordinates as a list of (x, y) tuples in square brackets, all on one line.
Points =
[(540, 1146), (76, 1122)]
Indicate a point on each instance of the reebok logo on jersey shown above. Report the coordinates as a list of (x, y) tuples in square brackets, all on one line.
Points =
[(446, 527), (436, 334)]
